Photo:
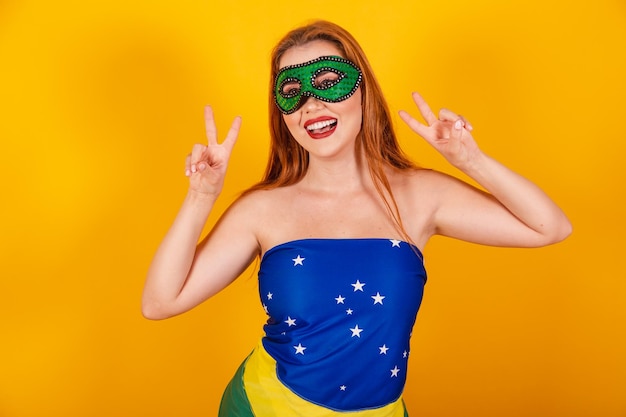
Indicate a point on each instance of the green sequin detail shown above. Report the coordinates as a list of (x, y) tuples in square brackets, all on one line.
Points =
[(346, 84)]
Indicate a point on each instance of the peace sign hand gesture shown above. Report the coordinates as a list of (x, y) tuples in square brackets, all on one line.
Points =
[(206, 165), (449, 134)]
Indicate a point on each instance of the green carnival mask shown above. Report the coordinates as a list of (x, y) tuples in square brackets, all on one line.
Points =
[(328, 78)]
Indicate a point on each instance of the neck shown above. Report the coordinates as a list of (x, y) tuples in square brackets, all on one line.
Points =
[(338, 175)]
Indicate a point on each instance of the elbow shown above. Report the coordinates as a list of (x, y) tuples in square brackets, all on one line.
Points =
[(151, 313), (567, 230), (154, 311), (562, 230)]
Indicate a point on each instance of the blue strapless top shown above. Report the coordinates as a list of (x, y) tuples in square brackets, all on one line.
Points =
[(341, 313)]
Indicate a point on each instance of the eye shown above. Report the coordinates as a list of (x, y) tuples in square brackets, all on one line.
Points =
[(290, 88), (326, 79)]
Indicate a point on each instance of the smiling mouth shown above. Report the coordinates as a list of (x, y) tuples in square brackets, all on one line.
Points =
[(322, 126)]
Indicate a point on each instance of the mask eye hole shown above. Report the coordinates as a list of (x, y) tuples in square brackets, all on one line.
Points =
[(291, 87), (326, 78)]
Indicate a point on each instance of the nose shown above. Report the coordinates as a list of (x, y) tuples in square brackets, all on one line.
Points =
[(312, 104)]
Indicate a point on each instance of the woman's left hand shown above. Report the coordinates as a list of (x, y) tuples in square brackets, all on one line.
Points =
[(449, 134)]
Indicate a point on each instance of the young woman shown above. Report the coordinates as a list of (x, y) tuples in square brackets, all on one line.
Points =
[(338, 222)]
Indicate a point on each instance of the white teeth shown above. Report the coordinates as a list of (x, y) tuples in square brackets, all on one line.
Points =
[(321, 125)]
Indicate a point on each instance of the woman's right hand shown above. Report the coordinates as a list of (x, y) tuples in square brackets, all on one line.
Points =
[(206, 164)]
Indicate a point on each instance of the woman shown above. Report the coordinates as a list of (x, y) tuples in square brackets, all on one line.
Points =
[(339, 222)]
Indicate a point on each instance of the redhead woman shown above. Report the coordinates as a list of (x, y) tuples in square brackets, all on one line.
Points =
[(339, 222)]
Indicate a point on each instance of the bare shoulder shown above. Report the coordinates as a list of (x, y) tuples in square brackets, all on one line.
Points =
[(259, 208), (243, 222), (422, 176), (420, 183), (252, 205), (269, 214), (420, 193), (258, 200)]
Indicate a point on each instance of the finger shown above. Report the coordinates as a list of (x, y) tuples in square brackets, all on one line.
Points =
[(197, 152), (424, 108), (209, 125), (416, 126), (188, 165), (448, 115), (457, 131), (467, 124), (233, 134)]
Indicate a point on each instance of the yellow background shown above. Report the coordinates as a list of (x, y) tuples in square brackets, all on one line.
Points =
[(101, 101)]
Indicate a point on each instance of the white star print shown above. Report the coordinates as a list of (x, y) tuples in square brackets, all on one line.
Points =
[(298, 261), (405, 354), (290, 321), (343, 387), (358, 285), (349, 311), (265, 308), (383, 349), (394, 371), (395, 243), (356, 331), (340, 299), (299, 349), (269, 295), (378, 299)]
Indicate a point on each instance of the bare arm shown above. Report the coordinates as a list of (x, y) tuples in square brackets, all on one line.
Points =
[(183, 274), (513, 212)]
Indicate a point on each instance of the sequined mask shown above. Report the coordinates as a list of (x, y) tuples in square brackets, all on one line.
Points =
[(328, 78)]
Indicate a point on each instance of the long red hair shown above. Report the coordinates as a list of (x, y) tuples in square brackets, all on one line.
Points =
[(288, 161)]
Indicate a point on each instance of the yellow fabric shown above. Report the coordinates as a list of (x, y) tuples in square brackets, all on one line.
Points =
[(269, 397)]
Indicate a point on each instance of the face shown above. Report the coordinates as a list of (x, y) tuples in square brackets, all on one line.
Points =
[(321, 108)]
